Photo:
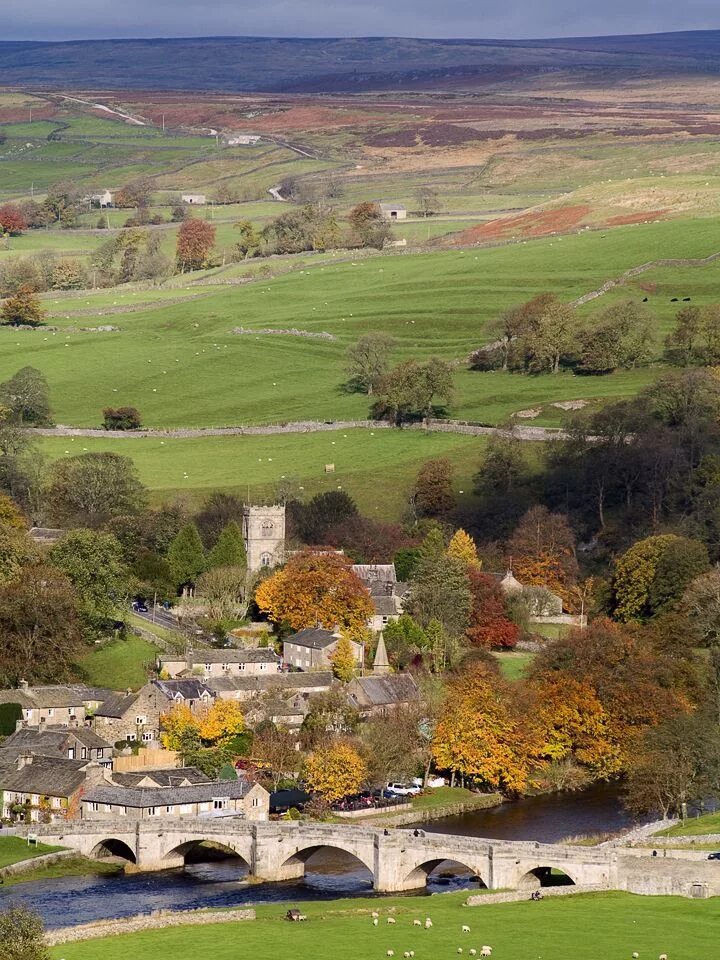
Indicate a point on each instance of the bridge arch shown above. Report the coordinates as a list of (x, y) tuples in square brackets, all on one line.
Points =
[(421, 873), (545, 875), (300, 857), (185, 849), (112, 847)]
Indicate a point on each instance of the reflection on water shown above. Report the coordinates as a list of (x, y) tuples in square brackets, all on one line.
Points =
[(329, 874)]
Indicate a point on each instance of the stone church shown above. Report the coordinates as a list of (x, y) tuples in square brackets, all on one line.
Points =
[(264, 535)]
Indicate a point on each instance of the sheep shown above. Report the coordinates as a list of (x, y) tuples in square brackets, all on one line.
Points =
[(302, 917), (459, 949), (663, 956), (391, 920), (472, 951), (407, 955), (428, 923), (390, 953), (465, 928), (374, 914), (417, 923), (412, 954), (635, 955), (375, 921), (485, 951)]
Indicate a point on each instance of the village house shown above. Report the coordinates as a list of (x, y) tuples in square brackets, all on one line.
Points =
[(544, 606), (58, 705), (217, 798), (162, 777), (393, 211), (248, 688), (102, 200), (220, 663), (285, 712), (381, 695), (71, 743), (41, 789), (194, 199), (136, 716), (312, 649), (386, 593)]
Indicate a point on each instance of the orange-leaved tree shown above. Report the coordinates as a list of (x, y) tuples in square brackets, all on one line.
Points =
[(316, 588), (221, 722), (479, 734), (335, 771), (542, 552), (195, 241)]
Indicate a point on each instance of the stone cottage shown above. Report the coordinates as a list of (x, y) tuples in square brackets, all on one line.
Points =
[(217, 798), (220, 663), (312, 649)]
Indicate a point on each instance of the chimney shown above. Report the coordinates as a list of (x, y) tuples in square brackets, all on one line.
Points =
[(24, 685), (97, 775), (24, 760)]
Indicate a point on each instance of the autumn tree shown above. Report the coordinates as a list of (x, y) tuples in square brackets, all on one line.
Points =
[(478, 734), (701, 605), (23, 309), (180, 729), (275, 750), (412, 389), (186, 556), (40, 626), (367, 225), (335, 771), (462, 547), (433, 495), (343, 660), (395, 745), (542, 551), (368, 360), (316, 588), (225, 591), (652, 575), (619, 336), (69, 273), (490, 626), (330, 714), (221, 722), (12, 220), (195, 241)]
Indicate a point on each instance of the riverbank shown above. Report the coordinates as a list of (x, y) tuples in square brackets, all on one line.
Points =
[(157, 920), (15, 850), (440, 803), (343, 929), (53, 866)]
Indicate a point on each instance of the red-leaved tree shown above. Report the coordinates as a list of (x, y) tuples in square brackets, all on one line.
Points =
[(12, 220), (196, 239), (490, 625)]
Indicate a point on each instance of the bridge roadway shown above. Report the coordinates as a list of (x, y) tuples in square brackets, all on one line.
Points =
[(397, 859)]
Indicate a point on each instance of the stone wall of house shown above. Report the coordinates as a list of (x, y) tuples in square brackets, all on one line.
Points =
[(150, 704), (157, 920)]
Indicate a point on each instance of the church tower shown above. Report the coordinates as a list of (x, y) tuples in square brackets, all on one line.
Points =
[(264, 535)]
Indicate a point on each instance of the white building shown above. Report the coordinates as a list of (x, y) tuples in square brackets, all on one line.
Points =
[(194, 199)]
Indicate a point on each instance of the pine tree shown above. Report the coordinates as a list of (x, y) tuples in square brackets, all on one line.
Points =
[(462, 547), (229, 551), (186, 556), (343, 660)]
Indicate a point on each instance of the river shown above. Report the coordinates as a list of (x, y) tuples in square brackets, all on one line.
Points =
[(329, 874)]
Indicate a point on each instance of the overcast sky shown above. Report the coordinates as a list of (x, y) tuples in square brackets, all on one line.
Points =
[(80, 19)]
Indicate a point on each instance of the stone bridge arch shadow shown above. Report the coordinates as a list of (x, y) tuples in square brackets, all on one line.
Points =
[(113, 848), (329, 866), (442, 873), (208, 850), (545, 875)]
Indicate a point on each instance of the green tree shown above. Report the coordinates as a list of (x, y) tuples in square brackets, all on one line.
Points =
[(26, 397), (433, 495), (249, 239), (93, 563), (23, 309), (91, 489), (440, 591), (404, 640), (22, 935), (620, 336), (367, 361), (186, 556), (411, 389), (652, 575), (683, 345), (229, 551)]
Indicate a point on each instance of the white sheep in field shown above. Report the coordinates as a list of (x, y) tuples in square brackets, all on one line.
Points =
[(407, 955), (465, 928), (375, 921), (417, 923), (374, 914), (472, 951), (485, 951), (391, 920), (635, 955), (663, 956), (390, 953), (428, 923), (412, 954), (459, 949)]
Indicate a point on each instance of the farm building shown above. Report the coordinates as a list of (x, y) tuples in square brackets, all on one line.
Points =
[(195, 199), (102, 200), (393, 211)]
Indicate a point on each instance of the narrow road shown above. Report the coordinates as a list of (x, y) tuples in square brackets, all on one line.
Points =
[(99, 106)]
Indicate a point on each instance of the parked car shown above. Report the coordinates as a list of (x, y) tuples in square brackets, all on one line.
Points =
[(714, 856), (433, 782), (139, 606), (403, 789)]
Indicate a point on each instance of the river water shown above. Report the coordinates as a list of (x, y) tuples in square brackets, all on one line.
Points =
[(329, 874)]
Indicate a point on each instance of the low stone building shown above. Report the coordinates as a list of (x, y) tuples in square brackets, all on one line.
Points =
[(382, 695), (136, 716), (285, 712), (41, 789), (312, 649), (56, 705), (217, 798), (168, 777), (194, 199), (386, 593), (393, 211), (70, 743), (219, 663), (278, 684)]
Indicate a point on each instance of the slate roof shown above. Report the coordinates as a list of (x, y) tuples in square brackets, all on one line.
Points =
[(117, 705), (375, 572), (316, 638), (59, 695), (142, 797), (163, 778), (387, 690), (387, 207), (190, 689), (47, 776), (227, 655), (50, 741), (279, 681), (386, 606)]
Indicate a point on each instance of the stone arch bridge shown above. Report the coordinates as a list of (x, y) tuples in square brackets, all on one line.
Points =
[(397, 859)]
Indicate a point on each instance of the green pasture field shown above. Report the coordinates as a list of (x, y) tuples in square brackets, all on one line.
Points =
[(695, 827), (582, 927), (514, 665), (17, 850), (181, 365), (119, 664), (366, 461)]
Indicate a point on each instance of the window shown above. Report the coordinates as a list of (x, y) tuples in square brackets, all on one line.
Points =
[(147, 737), (51, 711), (140, 721), (241, 666), (95, 807), (185, 808), (267, 528), (265, 559), (168, 810), (151, 811), (83, 753), (262, 666), (207, 667), (131, 738), (99, 753), (220, 803), (255, 802), (71, 753)]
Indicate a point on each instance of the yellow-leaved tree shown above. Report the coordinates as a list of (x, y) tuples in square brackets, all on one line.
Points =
[(343, 660), (221, 722), (462, 547), (335, 771), (177, 726)]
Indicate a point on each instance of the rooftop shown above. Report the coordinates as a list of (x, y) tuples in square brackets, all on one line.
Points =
[(274, 681), (228, 655), (59, 695), (387, 690), (172, 777), (49, 741), (143, 797), (46, 776), (316, 638)]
